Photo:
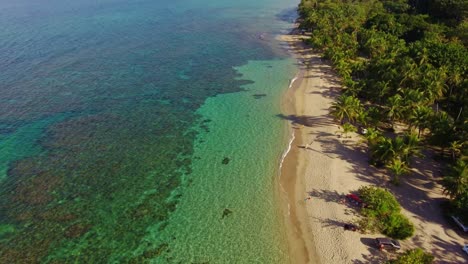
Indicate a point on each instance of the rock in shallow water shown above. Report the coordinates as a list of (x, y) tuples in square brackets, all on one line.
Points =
[(226, 212)]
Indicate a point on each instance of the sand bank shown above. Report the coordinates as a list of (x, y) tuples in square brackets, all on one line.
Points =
[(324, 165)]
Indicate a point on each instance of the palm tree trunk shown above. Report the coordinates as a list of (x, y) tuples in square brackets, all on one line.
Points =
[(459, 113)]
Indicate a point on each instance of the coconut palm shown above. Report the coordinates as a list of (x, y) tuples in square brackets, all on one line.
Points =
[(347, 128), (372, 136), (456, 148), (409, 70), (455, 80), (398, 168), (375, 115), (411, 147), (386, 150), (434, 80), (346, 108), (442, 130), (383, 89), (456, 181), (382, 151), (363, 118), (412, 98), (420, 117), (399, 147), (395, 107)]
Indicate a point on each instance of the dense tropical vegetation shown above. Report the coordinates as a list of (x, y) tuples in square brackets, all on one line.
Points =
[(382, 212), (403, 65)]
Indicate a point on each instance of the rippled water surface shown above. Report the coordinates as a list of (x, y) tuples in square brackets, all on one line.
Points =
[(141, 131)]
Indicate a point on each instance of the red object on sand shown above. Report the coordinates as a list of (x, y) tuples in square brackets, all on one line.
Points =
[(354, 197)]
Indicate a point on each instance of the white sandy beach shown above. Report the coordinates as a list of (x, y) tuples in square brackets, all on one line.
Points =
[(326, 166)]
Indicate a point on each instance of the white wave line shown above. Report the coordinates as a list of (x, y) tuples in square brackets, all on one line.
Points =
[(285, 153)]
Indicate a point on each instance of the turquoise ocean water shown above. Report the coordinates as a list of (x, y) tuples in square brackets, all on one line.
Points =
[(142, 131)]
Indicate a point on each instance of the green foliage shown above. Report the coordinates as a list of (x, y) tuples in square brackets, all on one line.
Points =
[(346, 108), (398, 226), (382, 150), (419, 117), (382, 212), (395, 54), (456, 181), (413, 256), (379, 201), (406, 61), (387, 151), (347, 128), (398, 168), (442, 129), (372, 136)]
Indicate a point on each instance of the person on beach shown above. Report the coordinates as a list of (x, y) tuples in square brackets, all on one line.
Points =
[(309, 146)]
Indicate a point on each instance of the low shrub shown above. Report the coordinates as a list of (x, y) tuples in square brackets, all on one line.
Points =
[(413, 256), (382, 211), (397, 226), (379, 202)]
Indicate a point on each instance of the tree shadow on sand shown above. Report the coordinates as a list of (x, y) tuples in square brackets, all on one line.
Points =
[(327, 92), (335, 197), (327, 196), (354, 153), (329, 223), (419, 193), (453, 247), (308, 121)]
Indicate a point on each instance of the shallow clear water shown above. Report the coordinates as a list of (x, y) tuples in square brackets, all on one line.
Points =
[(135, 131)]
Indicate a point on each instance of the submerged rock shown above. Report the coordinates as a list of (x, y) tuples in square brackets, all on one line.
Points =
[(226, 213), (226, 160), (258, 96)]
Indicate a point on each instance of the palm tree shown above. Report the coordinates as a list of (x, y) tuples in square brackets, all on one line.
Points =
[(420, 117), (394, 110), (382, 151), (456, 148), (423, 56), (363, 118), (343, 67), (442, 130), (347, 128), (409, 70), (339, 109), (375, 115), (386, 150), (412, 98), (434, 80), (455, 79), (383, 89), (398, 168), (346, 108), (376, 43), (372, 136), (399, 147), (411, 147), (456, 181)]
